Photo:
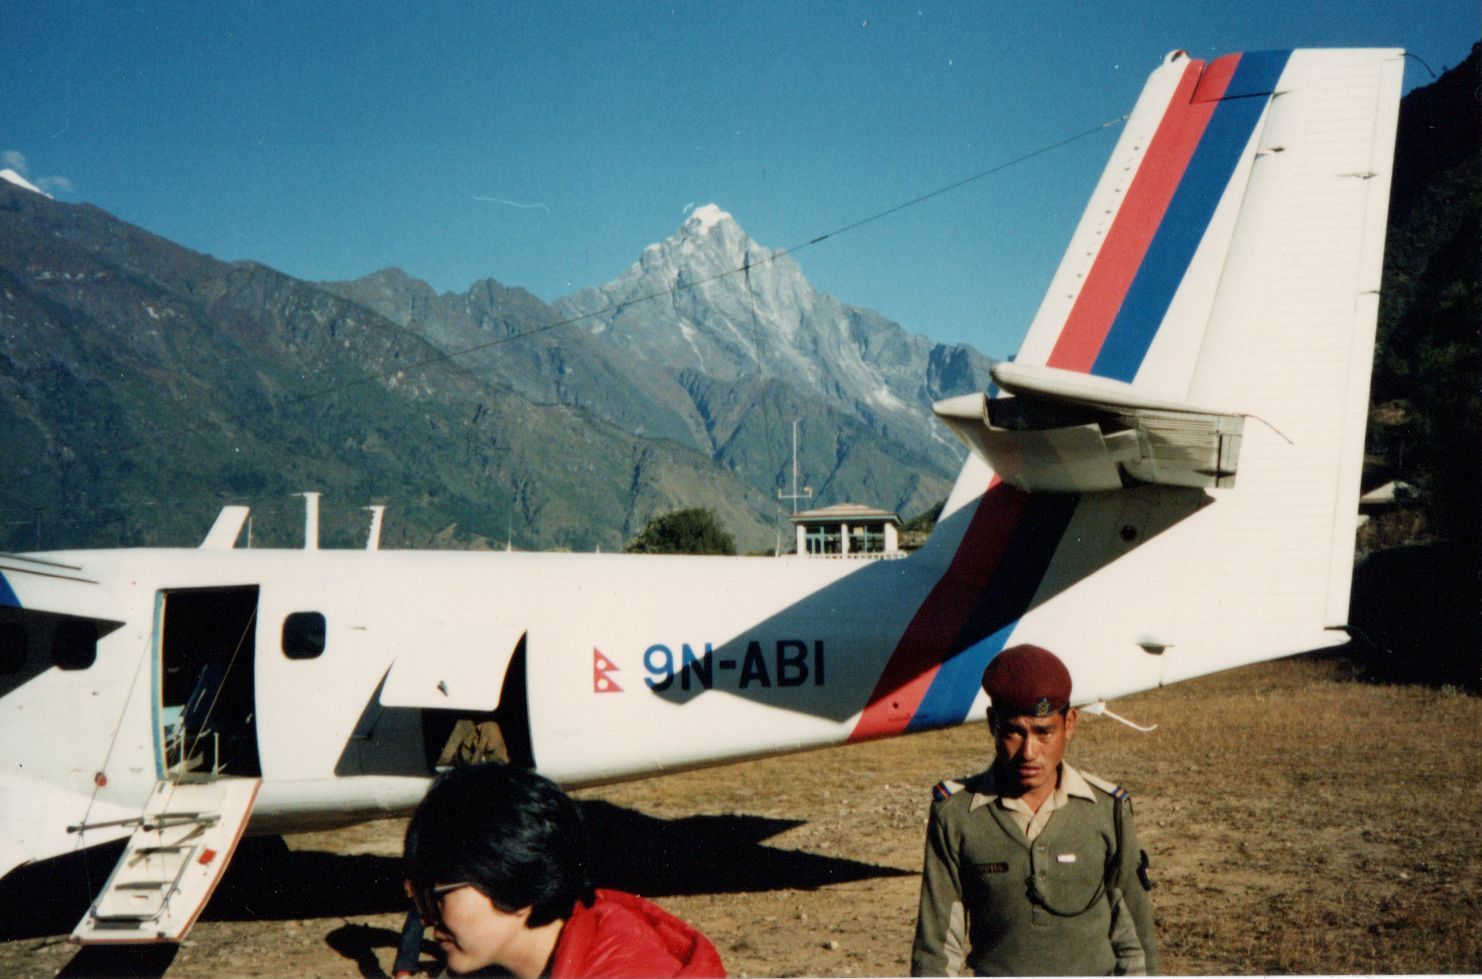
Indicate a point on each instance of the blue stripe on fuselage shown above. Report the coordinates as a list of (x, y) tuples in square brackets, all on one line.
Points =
[(7, 594), (1188, 216)]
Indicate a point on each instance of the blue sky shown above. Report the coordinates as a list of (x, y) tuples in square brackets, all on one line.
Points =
[(545, 144)]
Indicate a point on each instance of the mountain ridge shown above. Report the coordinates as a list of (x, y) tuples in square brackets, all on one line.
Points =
[(683, 343), (144, 385)]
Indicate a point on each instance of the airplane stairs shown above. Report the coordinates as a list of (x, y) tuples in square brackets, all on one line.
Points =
[(181, 846)]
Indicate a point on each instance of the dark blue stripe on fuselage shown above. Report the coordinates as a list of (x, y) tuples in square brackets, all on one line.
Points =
[(7, 594), (1189, 214), (1006, 598)]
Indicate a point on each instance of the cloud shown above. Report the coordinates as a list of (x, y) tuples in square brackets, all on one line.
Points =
[(54, 185), (501, 200), (14, 160)]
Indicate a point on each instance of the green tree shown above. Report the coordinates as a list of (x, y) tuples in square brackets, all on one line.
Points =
[(693, 531), (1428, 359)]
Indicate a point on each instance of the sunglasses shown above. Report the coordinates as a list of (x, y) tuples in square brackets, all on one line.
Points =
[(428, 900)]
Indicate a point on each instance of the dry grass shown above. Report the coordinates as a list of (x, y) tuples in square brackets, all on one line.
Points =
[(1299, 821), (1304, 823)]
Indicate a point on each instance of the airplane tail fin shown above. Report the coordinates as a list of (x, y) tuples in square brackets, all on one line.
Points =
[(1169, 486)]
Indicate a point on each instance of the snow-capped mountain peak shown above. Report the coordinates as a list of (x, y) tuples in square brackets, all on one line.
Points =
[(19, 181), (710, 242), (705, 217), (736, 317)]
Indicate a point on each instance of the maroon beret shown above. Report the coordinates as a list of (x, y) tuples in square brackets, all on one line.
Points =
[(1027, 679)]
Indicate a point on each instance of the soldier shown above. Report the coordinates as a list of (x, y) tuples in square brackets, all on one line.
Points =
[(1032, 868)]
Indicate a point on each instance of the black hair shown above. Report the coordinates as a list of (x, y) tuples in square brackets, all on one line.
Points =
[(998, 714), (509, 832)]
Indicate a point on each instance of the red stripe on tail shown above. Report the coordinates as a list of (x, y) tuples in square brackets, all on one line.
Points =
[(1139, 216)]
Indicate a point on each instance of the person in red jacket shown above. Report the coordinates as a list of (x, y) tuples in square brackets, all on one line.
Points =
[(496, 863)]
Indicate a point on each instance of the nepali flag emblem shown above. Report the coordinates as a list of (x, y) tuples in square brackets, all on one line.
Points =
[(601, 668)]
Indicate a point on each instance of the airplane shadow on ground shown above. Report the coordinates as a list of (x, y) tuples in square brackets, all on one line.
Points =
[(659, 858), (707, 854), (631, 851)]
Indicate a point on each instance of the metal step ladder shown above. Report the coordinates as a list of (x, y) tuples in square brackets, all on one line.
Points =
[(180, 848)]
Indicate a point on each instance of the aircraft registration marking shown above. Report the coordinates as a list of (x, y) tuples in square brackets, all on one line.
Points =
[(791, 664)]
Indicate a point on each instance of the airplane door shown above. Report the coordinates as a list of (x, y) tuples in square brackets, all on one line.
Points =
[(206, 640), (324, 653), (371, 679)]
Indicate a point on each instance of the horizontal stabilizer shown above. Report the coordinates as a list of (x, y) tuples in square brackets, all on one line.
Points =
[(1075, 387), (1061, 431)]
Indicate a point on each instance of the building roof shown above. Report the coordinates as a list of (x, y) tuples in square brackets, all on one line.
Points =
[(846, 513), (1395, 491)]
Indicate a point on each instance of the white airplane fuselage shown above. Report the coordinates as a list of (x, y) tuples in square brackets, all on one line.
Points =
[(437, 631)]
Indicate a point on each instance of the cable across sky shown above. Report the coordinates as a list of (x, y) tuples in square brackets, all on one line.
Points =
[(546, 145)]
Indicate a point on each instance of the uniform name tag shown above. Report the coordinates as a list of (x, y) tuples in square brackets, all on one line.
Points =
[(1065, 857), (993, 868)]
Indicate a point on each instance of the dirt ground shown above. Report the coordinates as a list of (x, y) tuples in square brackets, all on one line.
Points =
[(1299, 821)]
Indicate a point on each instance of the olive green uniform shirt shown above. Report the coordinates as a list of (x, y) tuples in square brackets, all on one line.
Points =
[(1007, 891)]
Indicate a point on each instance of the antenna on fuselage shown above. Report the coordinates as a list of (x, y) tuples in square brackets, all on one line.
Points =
[(311, 520), (373, 541)]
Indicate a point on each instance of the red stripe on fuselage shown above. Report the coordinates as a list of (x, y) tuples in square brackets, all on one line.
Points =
[(1141, 213), (928, 639)]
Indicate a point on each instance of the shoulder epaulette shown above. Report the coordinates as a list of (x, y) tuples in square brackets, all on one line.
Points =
[(1110, 788), (946, 789)]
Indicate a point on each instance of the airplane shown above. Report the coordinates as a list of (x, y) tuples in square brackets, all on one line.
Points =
[(1161, 484)]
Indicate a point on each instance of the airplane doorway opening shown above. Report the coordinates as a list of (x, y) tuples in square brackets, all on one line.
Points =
[(468, 738), (207, 644)]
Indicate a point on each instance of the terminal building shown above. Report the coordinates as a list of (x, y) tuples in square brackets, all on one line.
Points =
[(848, 530)]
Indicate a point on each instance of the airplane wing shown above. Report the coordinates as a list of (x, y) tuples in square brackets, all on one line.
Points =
[(41, 603), (52, 604), (36, 584)]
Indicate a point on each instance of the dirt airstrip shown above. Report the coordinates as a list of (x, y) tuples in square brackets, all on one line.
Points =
[(1299, 820)]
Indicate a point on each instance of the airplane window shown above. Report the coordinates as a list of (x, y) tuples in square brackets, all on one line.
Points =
[(303, 635), (74, 646), (12, 647)]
